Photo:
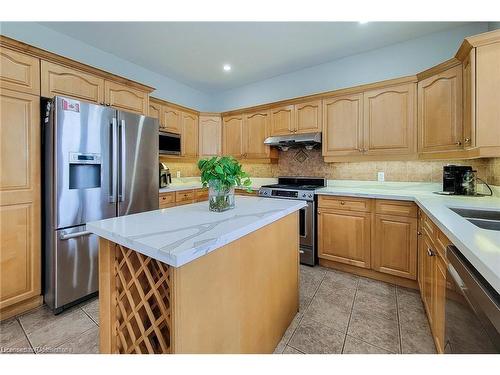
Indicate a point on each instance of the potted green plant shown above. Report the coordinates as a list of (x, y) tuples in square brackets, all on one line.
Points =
[(221, 174)]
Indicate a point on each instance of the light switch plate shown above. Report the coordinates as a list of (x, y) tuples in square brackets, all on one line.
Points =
[(380, 176), (178, 174)]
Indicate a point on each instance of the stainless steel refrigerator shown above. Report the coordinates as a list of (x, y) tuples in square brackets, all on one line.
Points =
[(98, 163)]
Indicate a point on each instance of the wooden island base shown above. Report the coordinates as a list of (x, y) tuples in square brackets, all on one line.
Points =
[(239, 298)]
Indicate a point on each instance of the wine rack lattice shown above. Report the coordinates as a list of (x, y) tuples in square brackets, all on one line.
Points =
[(143, 303)]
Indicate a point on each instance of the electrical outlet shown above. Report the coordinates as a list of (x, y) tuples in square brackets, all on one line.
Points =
[(178, 174), (381, 176)]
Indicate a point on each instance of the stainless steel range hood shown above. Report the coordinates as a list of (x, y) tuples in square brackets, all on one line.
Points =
[(285, 142)]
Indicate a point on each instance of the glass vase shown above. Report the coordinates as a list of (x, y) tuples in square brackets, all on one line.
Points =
[(220, 198)]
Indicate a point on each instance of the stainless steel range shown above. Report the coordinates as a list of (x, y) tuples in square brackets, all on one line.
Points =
[(301, 188)]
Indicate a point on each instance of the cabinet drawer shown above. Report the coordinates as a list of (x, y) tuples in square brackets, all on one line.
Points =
[(441, 242), (428, 227), (201, 194), (182, 203), (252, 193), (345, 203), (183, 196), (166, 198), (398, 208)]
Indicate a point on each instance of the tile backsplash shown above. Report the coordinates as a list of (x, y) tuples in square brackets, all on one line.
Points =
[(414, 171), (310, 163)]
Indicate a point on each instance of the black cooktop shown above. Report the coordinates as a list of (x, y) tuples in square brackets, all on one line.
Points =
[(291, 186), (299, 183)]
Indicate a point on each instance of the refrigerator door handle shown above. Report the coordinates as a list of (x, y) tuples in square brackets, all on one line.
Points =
[(114, 158), (65, 236), (121, 191)]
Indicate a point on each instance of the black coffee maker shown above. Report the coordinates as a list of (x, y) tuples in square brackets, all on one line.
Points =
[(453, 179)]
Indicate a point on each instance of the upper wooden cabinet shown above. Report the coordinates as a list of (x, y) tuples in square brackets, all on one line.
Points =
[(59, 80), (256, 130), (343, 125), (19, 72), (126, 98), (155, 110), (243, 136), (282, 120), (440, 112), (210, 135), (390, 121), (170, 119), (296, 118), (469, 99), (232, 136), (377, 124), (189, 135), (308, 117), (487, 86)]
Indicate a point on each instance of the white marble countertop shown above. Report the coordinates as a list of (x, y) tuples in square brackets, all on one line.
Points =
[(188, 183), (480, 246), (181, 234)]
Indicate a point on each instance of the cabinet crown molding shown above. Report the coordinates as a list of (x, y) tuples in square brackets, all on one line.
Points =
[(6, 42)]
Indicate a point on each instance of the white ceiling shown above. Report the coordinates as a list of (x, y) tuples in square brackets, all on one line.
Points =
[(194, 52)]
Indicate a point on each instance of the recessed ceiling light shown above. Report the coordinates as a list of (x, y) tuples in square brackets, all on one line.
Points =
[(226, 67), (362, 22)]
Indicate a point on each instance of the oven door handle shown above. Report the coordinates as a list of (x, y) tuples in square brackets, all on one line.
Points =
[(305, 220)]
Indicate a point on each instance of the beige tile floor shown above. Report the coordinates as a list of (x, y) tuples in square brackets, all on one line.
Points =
[(339, 313)]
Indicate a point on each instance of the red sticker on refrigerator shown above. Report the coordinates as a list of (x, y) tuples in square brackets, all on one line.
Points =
[(68, 106)]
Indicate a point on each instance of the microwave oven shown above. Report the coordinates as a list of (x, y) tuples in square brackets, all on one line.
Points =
[(169, 143)]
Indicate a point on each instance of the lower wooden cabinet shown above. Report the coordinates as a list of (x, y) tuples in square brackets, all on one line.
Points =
[(380, 235), (432, 279), (181, 197), (439, 302), (344, 236), (394, 247), (20, 215)]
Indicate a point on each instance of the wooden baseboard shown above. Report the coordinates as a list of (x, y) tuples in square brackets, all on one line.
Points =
[(400, 281), (20, 307)]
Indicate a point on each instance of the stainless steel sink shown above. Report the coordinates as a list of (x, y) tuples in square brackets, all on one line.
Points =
[(485, 219)]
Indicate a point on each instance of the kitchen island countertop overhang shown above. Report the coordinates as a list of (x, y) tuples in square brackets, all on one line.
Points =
[(178, 235)]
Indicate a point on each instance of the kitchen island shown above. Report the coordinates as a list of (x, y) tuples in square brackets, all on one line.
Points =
[(186, 280)]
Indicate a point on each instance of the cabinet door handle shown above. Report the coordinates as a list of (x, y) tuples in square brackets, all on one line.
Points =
[(467, 140), (419, 233), (342, 203), (459, 143), (430, 252)]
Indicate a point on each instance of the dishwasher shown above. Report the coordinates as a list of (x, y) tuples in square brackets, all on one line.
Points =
[(472, 322)]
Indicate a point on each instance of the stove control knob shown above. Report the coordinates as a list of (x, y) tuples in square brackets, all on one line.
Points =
[(303, 195), (310, 195)]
